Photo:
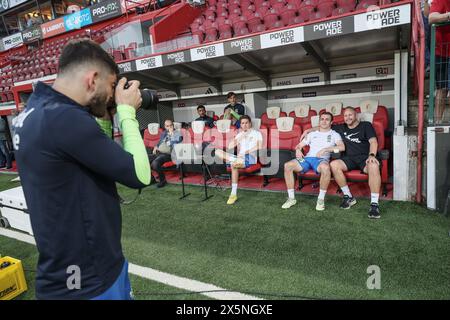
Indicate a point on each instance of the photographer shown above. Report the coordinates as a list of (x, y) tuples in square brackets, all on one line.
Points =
[(69, 166)]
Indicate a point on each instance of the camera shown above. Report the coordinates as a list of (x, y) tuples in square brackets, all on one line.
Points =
[(149, 98)]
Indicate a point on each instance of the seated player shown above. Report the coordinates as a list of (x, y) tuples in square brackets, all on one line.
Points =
[(248, 141), (321, 143), (201, 110), (361, 146)]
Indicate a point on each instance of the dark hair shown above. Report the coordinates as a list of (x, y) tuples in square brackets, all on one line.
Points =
[(245, 117), (200, 107), (230, 94), (328, 114), (85, 51)]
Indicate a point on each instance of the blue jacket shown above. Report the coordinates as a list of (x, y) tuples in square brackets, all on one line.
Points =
[(68, 168), (176, 138)]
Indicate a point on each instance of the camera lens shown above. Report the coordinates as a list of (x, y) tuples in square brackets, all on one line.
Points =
[(149, 99)]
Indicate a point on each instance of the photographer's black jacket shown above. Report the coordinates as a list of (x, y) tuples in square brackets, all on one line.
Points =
[(68, 168)]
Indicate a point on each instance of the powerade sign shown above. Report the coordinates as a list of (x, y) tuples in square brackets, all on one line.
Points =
[(78, 20), (105, 10), (32, 34)]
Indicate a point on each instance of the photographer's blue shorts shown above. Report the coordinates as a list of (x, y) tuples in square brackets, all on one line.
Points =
[(121, 289), (310, 163)]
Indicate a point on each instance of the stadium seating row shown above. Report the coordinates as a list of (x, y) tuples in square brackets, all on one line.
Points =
[(224, 19)]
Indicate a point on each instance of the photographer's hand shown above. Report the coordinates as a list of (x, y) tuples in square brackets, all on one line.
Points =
[(130, 96)]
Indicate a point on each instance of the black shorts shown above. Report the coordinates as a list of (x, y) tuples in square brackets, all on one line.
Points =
[(357, 162), (441, 75)]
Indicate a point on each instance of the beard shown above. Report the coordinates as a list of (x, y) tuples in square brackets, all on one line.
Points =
[(99, 104)]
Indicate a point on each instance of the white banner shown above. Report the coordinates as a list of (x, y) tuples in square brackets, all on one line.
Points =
[(281, 38), (149, 63), (379, 19), (207, 52)]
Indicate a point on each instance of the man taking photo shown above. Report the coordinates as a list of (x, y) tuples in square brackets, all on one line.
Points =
[(69, 166)]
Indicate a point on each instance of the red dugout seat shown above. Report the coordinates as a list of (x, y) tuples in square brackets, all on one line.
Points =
[(269, 118)]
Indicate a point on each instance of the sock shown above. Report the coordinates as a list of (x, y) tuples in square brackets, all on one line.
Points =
[(346, 191), (291, 194), (374, 197), (234, 189), (322, 194)]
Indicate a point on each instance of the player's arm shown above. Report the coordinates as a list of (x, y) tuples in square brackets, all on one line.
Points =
[(373, 151), (339, 147), (436, 17)]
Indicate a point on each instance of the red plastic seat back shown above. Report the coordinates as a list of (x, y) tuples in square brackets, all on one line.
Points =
[(270, 122), (284, 140), (303, 120), (151, 140), (379, 130)]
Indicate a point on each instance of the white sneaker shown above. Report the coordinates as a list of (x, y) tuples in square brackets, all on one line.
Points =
[(289, 203), (320, 206)]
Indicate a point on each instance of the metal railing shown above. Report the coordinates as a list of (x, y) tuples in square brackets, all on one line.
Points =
[(418, 45)]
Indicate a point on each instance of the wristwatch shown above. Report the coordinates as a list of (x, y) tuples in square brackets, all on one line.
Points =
[(371, 154)]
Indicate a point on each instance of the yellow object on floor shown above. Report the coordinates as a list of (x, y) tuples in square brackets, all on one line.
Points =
[(12, 278)]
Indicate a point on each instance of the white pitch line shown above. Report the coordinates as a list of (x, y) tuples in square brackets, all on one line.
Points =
[(158, 276)]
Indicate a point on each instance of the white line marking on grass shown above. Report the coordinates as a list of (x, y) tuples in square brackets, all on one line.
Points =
[(188, 284), (17, 235), (158, 276)]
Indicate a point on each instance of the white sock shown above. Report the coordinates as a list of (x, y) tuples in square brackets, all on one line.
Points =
[(322, 194), (291, 194), (234, 189), (346, 191), (374, 197)]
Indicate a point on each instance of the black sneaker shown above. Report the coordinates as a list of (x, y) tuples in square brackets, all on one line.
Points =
[(161, 184), (347, 202), (374, 212)]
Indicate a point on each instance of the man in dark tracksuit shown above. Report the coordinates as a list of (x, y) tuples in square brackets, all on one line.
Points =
[(68, 165)]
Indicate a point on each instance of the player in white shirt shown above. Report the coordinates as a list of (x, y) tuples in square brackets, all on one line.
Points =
[(248, 141), (321, 143)]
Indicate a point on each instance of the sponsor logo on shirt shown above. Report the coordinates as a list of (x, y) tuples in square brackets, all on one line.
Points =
[(349, 137)]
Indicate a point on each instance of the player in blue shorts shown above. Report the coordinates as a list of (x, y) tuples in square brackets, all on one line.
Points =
[(321, 143)]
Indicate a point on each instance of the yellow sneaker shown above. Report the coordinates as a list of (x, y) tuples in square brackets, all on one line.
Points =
[(232, 199)]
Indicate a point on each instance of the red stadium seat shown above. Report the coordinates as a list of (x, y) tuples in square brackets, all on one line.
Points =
[(302, 121), (305, 13), (281, 146), (270, 19), (151, 140), (265, 120), (326, 7), (288, 16)]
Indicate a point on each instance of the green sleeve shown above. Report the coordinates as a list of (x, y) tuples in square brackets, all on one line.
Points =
[(106, 126), (133, 143), (235, 114)]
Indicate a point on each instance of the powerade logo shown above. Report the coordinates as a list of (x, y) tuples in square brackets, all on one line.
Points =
[(105, 11), (78, 20)]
